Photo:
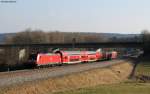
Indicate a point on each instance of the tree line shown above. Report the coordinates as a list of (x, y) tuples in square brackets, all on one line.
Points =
[(38, 36)]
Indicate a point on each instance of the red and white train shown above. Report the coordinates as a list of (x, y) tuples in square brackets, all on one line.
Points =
[(70, 57)]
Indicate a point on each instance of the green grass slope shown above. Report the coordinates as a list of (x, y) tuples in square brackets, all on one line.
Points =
[(123, 88)]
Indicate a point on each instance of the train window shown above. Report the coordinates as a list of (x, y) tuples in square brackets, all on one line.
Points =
[(65, 57), (83, 56)]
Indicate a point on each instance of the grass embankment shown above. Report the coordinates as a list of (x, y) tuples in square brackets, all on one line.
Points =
[(129, 87), (123, 88), (142, 72), (143, 68), (111, 75)]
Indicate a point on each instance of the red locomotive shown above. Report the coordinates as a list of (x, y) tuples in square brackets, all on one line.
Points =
[(70, 57)]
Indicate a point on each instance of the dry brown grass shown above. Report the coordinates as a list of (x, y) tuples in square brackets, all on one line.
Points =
[(114, 74)]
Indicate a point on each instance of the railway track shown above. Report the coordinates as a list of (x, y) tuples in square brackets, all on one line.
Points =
[(16, 77)]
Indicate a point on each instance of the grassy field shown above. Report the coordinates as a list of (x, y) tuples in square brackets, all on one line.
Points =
[(123, 88), (143, 68), (129, 87)]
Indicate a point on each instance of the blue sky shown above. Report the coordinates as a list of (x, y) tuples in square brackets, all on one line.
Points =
[(107, 16)]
